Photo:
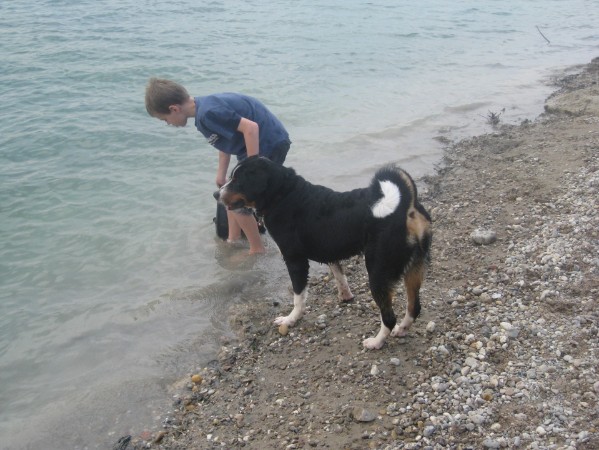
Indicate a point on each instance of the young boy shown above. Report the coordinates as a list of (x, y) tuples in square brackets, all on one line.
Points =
[(234, 124)]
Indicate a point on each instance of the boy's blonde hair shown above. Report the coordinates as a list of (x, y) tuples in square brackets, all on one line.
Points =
[(160, 94)]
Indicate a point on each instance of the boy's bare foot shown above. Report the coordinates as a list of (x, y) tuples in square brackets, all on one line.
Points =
[(257, 251)]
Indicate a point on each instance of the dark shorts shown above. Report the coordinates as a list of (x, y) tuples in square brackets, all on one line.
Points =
[(280, 152), (278, 155)]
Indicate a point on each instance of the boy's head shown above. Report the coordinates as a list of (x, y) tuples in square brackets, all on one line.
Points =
[(166, 101)]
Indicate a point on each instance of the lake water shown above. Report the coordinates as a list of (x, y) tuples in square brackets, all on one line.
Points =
[(112, 284)]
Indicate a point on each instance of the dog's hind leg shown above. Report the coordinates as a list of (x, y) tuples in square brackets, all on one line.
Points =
[(412, 281), (345, 294), (298, 272)]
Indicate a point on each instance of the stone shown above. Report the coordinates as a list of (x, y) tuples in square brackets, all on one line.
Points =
[(581, 101), (430, 327), (362, 415), (491, 443), (197, 379), (471, 362), (374, 370), (483, 237)]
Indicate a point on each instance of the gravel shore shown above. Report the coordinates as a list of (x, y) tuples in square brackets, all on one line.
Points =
[(505, 353)]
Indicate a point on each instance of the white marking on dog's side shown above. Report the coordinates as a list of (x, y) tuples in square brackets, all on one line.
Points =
[(377, 342), (341, 281), (389, 202), (401, 329), (299, 307)]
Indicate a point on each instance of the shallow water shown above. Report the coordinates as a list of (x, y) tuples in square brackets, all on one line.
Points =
[(112, 284)]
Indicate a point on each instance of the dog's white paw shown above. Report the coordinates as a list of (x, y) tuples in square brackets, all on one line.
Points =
[(399, 331), (373, 343), (285, 320)]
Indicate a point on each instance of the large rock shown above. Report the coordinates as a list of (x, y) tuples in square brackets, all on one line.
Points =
[(580, 102)]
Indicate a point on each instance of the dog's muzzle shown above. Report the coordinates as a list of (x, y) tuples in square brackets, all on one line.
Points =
[(230, 202)]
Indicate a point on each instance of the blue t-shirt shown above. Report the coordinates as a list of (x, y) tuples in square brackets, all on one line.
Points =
[(218, 116)]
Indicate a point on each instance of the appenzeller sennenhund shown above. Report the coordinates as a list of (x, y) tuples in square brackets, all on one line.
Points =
[(384, 221)]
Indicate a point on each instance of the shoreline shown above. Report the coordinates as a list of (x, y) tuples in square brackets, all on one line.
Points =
[(504, 353)]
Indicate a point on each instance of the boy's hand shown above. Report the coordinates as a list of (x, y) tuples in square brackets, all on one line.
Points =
[(220, 182)]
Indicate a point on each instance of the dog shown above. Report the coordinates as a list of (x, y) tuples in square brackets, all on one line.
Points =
[(384, 221)]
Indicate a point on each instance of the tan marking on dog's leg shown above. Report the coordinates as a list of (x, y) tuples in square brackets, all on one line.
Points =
[(377, 342), (418, 226), (299, 307), (412, 281), (341, 281)]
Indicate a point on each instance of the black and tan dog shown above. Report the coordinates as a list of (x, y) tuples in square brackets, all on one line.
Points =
[(384, 221)]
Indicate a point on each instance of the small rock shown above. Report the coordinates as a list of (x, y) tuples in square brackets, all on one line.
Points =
[(395, 361), (375, 370), (362, 415), (283, 330), (491, 443), (239, 419), (430, 327), (547, 293), (471, 362), (513, 333), (477, 419), (483, 237), (487, 395), (443, 350), (440, 387), (583, 436), (197, 379), (429, 431)]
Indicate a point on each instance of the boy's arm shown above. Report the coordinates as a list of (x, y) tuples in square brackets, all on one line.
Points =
[(251, 135), (223, 165)]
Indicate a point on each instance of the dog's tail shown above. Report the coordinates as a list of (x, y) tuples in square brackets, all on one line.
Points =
[(394, 194)]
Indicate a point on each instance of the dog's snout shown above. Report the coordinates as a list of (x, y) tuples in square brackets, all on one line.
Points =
[(216, 195)]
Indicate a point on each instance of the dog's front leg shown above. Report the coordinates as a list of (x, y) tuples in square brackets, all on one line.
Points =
[(298, 272), (375, 343), (345, 294)]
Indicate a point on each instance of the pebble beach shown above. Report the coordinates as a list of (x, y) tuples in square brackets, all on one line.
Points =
[(504, 354)]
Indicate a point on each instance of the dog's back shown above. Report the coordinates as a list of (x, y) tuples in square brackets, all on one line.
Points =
[(327, 226)]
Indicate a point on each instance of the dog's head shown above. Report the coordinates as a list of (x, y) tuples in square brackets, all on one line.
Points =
[(251, 184)]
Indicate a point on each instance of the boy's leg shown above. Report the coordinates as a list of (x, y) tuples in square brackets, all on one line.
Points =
[(247, 223), (234, 228)]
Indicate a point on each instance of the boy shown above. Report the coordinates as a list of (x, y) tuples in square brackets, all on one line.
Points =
[(234, 124)]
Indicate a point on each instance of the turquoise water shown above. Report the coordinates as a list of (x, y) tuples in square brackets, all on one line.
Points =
[(112, 285)]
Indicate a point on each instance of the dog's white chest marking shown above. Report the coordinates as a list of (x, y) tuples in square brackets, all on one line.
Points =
[(389, 202)]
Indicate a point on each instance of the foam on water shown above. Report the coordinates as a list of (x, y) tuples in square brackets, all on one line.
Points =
[(112, 284)]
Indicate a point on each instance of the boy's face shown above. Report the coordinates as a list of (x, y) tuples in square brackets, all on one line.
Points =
[(176, 117)]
